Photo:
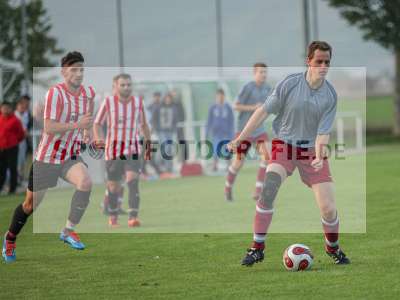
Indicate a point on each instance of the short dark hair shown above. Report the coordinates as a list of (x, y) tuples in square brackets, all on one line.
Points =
[(123, 76), (220, 91), (5, 102), (72, 57), (318, 45), (259, 65), (24, 97), (158, 94)]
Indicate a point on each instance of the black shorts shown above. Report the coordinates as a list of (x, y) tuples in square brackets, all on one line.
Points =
[(45, 175), (116, 168)]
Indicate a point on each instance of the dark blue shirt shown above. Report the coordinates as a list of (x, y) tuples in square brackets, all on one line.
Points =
[(220, 121)]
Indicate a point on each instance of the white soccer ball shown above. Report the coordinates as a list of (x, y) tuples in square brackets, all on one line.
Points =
[(297, 257)]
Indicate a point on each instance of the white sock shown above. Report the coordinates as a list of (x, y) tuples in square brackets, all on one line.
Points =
[(70, 226)]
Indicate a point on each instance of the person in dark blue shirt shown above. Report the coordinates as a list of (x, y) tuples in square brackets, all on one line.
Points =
[(220, 126)]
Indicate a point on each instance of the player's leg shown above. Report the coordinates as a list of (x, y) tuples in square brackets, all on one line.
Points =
[(325, 199), (121, 211), (20, 216), (106, 206), (132, 181), (132, 172), (115, 171), (263, 151), (76, 173), (275, 176), (113, 190), (321, 183), (234, 168), (45, 176), (41, 177)]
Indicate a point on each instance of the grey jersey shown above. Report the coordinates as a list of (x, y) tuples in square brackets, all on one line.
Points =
[(252, 94), (301, 112)]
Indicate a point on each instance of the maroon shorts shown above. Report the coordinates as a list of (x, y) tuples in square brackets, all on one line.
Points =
[(291, 157), (245, 145)]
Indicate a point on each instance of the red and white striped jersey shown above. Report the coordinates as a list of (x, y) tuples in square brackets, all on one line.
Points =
[(65, 107), (123, 122)]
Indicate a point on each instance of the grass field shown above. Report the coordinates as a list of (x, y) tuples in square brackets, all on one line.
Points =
[(206, 266), (380, 112), (196, 205)]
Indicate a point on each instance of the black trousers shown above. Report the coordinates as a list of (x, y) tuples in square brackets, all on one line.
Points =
[(9, 161), (183, 146)]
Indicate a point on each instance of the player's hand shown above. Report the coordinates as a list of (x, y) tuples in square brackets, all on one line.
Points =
[(233, 146), (99, 144), (147, 150), (87, 136), (85, 122), (317, 164)]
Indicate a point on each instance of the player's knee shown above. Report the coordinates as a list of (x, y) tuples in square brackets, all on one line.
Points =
[(271, 187), (84, 184), (328, 211), (27, 206), (237, 164), (131, 176)]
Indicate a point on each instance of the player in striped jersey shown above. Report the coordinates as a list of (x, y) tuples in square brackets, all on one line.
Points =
[(67, 116), (125, 119)]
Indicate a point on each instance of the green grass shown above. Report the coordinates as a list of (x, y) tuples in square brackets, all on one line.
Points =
[(380, 112), (206, 266), (195, 205), (377, 111)]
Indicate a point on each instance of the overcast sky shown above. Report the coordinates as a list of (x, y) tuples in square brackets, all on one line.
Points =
[(182, 33)]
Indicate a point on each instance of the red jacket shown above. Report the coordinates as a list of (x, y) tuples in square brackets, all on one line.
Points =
[(11, 131)]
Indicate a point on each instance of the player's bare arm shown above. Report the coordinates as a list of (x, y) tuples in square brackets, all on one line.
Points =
[(87, 133), (244, 107), (98, 135), (53, 127), (259, 116)]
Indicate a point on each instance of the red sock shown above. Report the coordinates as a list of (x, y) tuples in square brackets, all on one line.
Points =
[(10, 236), (331, 232), (262, 220), (258, 245)]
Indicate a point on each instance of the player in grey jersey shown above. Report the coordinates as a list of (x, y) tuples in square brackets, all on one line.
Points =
[(251, 97), (305, 108)]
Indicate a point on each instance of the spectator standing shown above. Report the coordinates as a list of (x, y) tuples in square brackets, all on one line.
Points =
[(11, 133), (220, 125), (165, 121), (23, 114)]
